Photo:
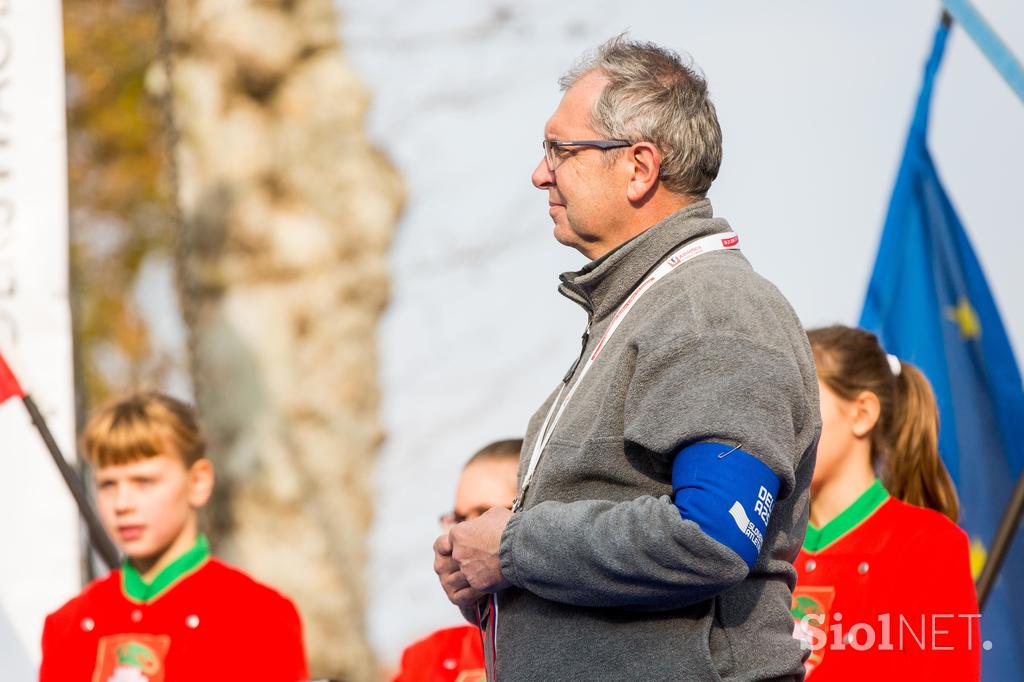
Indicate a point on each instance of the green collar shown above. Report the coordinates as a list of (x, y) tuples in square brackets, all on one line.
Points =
[(137, 590), (870, 500)]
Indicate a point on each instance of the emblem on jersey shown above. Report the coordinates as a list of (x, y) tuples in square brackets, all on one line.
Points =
[(131, 658), (811, 609)]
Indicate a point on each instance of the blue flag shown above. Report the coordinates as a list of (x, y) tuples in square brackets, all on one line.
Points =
[(929, 303)]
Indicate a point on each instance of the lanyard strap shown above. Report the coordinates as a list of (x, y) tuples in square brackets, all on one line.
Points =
[(689, 251)]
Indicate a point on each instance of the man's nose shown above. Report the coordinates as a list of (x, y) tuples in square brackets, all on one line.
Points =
[(542, 178)]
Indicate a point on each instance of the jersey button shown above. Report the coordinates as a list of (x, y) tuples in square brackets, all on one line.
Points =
[(192, 622), (88, 624), (863, 568), (136, 616), (810, 565)]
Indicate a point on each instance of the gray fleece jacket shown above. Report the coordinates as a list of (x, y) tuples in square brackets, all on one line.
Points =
[(609, 581)]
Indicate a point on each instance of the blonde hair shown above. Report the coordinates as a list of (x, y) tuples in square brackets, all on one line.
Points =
[(905, 441), (140, 425)]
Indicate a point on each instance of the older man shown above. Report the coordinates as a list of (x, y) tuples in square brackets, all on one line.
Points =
[(664, 483)]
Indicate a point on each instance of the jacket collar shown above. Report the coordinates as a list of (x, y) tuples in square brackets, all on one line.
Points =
[(602, 284)]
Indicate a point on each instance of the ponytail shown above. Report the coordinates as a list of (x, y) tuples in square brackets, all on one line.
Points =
[(912, 471), (905, 441)]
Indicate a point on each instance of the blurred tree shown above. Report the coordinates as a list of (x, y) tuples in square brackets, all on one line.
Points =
[(287, 215), (118, 196)]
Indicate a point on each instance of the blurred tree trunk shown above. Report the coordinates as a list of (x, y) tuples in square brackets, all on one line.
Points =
[(287, 213)]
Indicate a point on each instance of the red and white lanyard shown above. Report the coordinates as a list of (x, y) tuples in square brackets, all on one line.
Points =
[(715, 242)]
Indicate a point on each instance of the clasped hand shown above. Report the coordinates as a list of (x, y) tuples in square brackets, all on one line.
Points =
[(466, 557)]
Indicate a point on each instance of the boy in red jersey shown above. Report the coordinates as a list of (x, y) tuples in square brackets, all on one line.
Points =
[(172, 613)]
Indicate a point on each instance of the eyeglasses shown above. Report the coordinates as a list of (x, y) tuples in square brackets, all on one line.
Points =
[(554, 155), (452, 518)]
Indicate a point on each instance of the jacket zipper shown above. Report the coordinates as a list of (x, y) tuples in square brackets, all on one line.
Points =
[(583, 350)]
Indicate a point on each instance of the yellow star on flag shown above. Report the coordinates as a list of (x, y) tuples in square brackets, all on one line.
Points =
[(965, 318), (978, 556)]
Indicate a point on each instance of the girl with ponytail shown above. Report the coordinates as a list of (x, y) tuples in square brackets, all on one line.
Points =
[(883, 580)]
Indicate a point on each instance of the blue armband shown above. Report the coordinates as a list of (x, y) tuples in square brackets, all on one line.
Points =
[(728, 493)]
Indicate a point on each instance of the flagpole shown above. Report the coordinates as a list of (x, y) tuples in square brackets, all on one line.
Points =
[(992, 47), (100, 540), (1001, 545)]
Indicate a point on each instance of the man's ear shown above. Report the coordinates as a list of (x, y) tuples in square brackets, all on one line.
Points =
[(200, 483), (866, 411), (645, 159)]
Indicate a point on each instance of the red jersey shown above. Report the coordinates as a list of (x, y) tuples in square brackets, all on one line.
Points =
[(451, 655), (884, 591), (200, 620)]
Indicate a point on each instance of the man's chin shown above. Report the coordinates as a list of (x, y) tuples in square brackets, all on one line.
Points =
[(564, 235), (567, 237)]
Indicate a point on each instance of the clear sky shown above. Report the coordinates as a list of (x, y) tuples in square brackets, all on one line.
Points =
[(814, 101)]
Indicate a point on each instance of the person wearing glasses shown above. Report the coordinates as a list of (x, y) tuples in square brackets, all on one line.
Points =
[(663, 486), (456, 654)]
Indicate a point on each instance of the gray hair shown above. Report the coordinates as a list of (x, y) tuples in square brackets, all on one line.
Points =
[(653, 96)]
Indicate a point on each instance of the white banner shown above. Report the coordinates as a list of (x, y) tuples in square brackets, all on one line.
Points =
[(39, 528)]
